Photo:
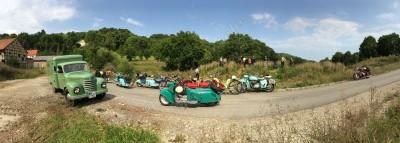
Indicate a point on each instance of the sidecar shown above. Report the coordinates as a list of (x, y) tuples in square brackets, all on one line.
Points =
[(177, 94), (150, 83), (122, 81)]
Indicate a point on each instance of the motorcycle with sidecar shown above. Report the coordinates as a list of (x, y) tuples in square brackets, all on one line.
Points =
[(187, 92), (250, 83)]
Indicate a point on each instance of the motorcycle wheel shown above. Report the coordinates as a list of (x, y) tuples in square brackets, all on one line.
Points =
[(272, 88), (163, 100), (356, 76), (233, 87)]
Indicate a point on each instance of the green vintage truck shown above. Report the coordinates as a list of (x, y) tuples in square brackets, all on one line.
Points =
[(71, 76)]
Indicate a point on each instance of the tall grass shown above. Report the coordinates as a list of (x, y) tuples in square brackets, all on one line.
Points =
[(73, 126), (10, 73), (364, 125)]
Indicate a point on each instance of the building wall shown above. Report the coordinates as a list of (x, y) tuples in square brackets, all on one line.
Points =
[(2, 56), (40, 64), (15, 51)]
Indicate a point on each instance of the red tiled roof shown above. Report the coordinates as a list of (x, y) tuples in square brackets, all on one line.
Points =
[(32, 52), (5, 42)]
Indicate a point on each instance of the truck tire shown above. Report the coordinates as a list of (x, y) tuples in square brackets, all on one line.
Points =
[(69, 102)]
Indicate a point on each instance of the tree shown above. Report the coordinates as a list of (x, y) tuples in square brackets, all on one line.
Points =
[(389, 45), (238, 45), (368, 48), (337, 57), (182, 51)]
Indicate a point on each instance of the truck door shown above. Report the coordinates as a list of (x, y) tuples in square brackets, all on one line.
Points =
[(60, 77)]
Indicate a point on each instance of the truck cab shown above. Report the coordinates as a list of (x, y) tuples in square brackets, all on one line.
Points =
[(71, 75)]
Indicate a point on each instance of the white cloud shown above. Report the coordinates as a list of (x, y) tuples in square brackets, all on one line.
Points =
[(390, 16), (264, 18), (31, 15), (298, 24), (132, 21), (327, 36)]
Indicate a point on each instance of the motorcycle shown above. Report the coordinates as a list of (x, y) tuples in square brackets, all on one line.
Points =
[(147, 82), (362, 73), (122, 81), (250, 83)]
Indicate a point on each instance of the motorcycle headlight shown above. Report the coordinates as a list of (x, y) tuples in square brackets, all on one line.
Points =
[(77, 90), (103, 85), (179, 89)]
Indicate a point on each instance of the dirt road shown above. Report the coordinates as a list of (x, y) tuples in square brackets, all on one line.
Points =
[(259, 104)]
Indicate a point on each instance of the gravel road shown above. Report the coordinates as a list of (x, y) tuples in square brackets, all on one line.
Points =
[(259, 104)]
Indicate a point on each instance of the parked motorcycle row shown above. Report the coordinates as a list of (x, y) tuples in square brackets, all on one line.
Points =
[(175, 90)]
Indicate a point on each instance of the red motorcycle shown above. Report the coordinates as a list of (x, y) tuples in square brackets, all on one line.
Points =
[(362, 73)]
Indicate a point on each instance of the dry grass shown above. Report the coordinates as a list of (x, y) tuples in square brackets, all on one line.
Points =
[(300, 75), (10, 73)]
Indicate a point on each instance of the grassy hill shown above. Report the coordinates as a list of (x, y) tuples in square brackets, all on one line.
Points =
[(300, 75)]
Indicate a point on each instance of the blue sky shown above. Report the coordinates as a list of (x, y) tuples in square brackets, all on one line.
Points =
[(312, 29)]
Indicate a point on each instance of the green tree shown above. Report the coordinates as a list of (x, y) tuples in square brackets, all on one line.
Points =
[(389, 45), (368, 48), (337, 57), (183, 51)]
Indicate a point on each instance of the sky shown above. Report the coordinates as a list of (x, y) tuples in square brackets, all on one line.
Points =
[(312, 29)]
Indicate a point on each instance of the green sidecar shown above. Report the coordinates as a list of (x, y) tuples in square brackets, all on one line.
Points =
[(177, 94)]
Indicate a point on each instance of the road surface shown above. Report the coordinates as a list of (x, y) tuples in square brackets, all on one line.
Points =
[(259, 104)]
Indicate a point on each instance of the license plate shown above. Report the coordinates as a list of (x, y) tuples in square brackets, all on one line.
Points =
[(92, 95)]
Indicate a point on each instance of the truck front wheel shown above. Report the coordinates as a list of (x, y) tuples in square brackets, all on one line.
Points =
[(69, 102)]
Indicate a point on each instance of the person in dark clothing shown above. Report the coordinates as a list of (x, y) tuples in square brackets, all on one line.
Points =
[(97, 73)]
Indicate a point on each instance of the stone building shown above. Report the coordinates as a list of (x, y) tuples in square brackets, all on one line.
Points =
[(11, 49)]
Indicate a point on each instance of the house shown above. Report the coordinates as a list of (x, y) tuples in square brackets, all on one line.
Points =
[(11, 49), (40, 61), (31, 53)]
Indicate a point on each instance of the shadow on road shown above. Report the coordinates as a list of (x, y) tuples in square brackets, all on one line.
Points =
[(87, 101)]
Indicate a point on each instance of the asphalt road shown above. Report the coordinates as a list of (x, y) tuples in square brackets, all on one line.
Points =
[(259, 104)]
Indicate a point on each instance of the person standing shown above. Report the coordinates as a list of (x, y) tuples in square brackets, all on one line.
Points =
[(283, 61), (197, 73)]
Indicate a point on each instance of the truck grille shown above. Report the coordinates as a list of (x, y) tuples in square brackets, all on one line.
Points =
[(89, 86)]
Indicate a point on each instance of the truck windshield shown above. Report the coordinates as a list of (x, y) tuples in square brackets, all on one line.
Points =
[(75, 67)]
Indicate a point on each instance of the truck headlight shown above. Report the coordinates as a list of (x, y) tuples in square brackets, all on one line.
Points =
[(103, 85), (77, 90)]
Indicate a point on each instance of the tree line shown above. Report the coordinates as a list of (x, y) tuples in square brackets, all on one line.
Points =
[(109, 47), (386, 45)]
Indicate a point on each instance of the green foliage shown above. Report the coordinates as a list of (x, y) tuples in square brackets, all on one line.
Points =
[(183, 51), (136, 46), (368, 48), (238, 45), (389, 45), (346, 58)]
